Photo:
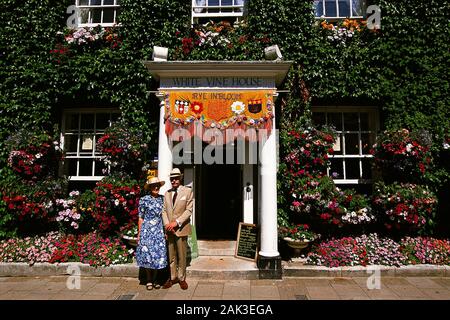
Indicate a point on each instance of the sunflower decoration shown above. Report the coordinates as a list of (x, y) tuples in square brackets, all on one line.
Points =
[(238, 107), (197, 107)]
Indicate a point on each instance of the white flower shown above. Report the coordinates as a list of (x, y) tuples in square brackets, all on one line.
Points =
[(38, 155), (238, 107), (116, 202)]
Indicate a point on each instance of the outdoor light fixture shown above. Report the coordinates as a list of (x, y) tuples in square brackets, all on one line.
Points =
[(160, 53), (273, 53)]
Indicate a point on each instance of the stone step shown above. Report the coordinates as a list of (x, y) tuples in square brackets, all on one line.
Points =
[(222, 268), (216, 248)]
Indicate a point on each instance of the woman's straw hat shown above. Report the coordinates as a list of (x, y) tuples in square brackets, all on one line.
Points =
[(152, 181)]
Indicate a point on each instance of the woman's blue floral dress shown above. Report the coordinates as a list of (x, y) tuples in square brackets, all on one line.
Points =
[(151, 251)]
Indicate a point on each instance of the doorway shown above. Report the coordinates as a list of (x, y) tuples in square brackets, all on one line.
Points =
[(219, 201)]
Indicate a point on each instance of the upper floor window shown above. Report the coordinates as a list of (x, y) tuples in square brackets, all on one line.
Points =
[(351, 162), (205, 10), (95, 12), (337, 9)]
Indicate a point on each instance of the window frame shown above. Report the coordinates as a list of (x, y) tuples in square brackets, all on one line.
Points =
[(374, 118), (95, 156), (335, 18), (195, 16), (102, 6)]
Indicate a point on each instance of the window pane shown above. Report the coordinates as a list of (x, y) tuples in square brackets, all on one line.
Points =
[(85, 167), (351, 144), (70, 143), (318, 7), (96, 15), (83, 2), (352, 168), (338, 145), (318, 118), (102, 121), (96, 2), (351, 122), (84, 16), (115, 117), (239, 3), (335, 119), (359, 7), (330, 8), (108, 2), (87, 121), (367, 141), (364, 118), (367, 168), (100, 168), (213, 3), (71, 121), (336, 169), (108, 15), (72, 166), (344, 8)]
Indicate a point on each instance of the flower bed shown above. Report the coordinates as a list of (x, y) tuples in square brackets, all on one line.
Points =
[(362, 251), (30, 250), (426, 250), (54, 247), (374, 250), (91, 248)]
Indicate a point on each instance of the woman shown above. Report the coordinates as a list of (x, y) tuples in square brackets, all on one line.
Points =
[(151, 251)]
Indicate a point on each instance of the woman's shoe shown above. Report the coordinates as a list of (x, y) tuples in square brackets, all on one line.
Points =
[(149, 286), (156, 286)]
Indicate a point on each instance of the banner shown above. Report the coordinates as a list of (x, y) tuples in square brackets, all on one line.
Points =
[(220, 110)]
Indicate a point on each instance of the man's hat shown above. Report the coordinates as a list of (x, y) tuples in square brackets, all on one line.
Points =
[(152, 181), (175, 173)]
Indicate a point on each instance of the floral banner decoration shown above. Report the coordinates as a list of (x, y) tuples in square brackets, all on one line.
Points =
[(219, 109)]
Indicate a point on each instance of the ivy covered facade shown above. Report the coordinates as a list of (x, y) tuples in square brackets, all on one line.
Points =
[(361, 81)]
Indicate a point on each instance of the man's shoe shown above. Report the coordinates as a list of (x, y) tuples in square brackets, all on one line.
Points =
[(183, 285), (169, 283)]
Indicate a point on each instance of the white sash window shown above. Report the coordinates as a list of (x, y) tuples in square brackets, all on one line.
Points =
[(338, 9), (351, 162), (98, 12), (80, 132), (209, 9)]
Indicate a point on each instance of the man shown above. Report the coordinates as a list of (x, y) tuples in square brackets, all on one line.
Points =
[(176, 215)]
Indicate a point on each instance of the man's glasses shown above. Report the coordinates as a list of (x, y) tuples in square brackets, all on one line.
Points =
[(174, 178)]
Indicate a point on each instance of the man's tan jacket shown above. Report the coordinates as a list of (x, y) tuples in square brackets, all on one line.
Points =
[(181, 210)]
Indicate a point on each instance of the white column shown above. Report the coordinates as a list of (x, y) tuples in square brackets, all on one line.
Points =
[(164, 152), (268, 196), (248, 186)]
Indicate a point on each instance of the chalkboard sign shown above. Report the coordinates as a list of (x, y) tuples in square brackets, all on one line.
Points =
[(247, 241)]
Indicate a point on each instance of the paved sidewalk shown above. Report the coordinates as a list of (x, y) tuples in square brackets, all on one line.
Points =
[(102, 288)]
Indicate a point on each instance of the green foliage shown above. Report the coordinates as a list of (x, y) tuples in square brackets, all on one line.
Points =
[(403, 69)]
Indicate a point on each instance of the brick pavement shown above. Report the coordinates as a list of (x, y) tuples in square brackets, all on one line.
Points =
[(289, 288)]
